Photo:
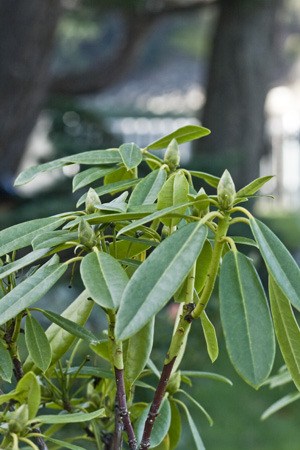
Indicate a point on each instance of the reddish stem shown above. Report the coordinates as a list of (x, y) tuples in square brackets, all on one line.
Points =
[(158, 398)]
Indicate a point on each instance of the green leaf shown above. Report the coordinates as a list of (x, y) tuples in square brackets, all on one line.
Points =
[(246, 319), (90, 371), (112, 188), (28, 259), (28, 391), (60, 340), (30, 291), (6, 366), (174, 192), (37, 343), (93, 157), (147, 190), (209, 179), (210, 337), (101, 349), (63, 444), (155, 281), (184, 134), (70, 326), (161, 424), (126, 249), (104, 277), (200, 407), (253, 187), (53, 238), (90, 175), (207, 375), (138, 351), (282, 403), (21, 235), (286, 329), (70, 418), (280, 264), (117, 204), (193, 427), (131, 155), (244, 241), (175, 426)]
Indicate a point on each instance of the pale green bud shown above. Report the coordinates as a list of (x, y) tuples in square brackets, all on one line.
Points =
[(86, 234), (18, 419), (172, 156), (92, 199), (226, 191), (174, 383)]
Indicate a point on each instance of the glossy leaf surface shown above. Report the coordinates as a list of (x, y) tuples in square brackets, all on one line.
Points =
[(246, 319), (37, 343), (30, 291), (287, 330), (131, 155), (184, 134), (174, 192), (280, 264), (156, 280), (104, 278)]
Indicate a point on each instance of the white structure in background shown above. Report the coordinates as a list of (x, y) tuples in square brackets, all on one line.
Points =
[(283, 130)]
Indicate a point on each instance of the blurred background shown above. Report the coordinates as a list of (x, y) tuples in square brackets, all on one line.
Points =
[(77, 75)]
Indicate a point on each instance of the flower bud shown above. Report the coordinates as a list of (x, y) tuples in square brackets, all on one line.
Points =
[(91, 199), (174, 383), (226, 191), (172, 156), (86, 234)]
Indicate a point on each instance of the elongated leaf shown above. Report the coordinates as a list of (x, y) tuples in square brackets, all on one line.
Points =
[(90, 175), (208, 375), (70, 418), (117, 204), (209, 179), (112, 188), (71, 327), (244, 241), (101, 349), (120, 174), (193, 427), (37, 343), (6, 366), (253, 187), (104, 277), (90, 371), (93, 157), (30, 291), (161, 424), (282, 403), (174, 192), (200, 407), (60, 340), (125, 249), (246, 319), (21, 235), (63, 444), (147, 190), (131, 155), (210, 337), (28, 391), (138, 351), (156, 280), (170, 211), (280, 264), (287, 330), (184, 134), (175, 426), (21, 263), (53, 238)]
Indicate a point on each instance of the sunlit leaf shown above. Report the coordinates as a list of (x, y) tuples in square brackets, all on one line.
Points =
[(253, 187), (184, 134), (246, 319), (156, 280), (174, 192), (147, 190), (131, 155), (210, 337), (90, 175)]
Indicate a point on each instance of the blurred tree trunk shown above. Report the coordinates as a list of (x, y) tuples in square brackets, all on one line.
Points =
[(27, 31), (239, 78)]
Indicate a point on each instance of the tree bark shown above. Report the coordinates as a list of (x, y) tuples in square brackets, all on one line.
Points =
[(239, 77), (27, 30)]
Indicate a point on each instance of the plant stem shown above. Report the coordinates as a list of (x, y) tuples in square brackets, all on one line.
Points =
[(212, 273), (158, 397)]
